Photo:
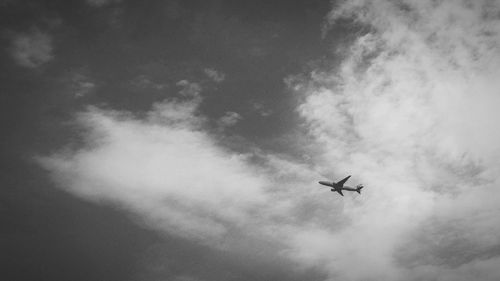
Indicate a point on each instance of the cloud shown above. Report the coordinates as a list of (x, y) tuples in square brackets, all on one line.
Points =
[(186, 278), (81, 84), (145, 82), (189, 89), (169, 171), (32, 49), (100, 3), (164, 168), (409, 110), (261, 109), (481, 270), (229, 119), (215, 75)]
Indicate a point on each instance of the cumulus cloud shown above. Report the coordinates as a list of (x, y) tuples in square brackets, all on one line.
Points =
[(163, 168), (409, 111), (32, 49), (169, 171)]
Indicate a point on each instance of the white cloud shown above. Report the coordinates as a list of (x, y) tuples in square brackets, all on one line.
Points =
[(229, 119), (215, 75), (32, 49), (189, 89), (261, 109), (171, 173), (164, 168), (410, 112), (145, 82), (81, 84)]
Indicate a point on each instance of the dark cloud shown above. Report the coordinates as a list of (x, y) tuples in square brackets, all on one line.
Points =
[(449, 243)]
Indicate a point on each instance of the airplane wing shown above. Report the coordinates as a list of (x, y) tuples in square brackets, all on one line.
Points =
[(341, 183), (340, 192)]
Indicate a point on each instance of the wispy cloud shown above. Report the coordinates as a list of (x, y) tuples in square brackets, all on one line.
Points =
[(229, 119), (32, 49), (409, 111), (215, 75), (189, 89), (164, 168), (81, 84), (169, 170), (261, 109), (186, 278), (100, 3), (145, 82)]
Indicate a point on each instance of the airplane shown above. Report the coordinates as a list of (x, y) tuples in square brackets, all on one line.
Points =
[(339, 186)]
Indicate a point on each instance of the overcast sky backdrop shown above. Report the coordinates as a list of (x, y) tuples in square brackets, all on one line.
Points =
[(183, 140)]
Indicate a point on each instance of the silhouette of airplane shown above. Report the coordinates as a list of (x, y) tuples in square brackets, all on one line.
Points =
[(339, 186)]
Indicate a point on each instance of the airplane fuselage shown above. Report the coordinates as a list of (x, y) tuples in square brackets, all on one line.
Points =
[(339, 186), (336, 187)]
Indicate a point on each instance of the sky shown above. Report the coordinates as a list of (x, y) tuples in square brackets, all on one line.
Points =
[(184, 140)]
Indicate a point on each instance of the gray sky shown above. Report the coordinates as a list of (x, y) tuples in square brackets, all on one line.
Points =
[(183, 140)]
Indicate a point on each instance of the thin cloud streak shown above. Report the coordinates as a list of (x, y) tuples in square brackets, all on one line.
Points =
[(101, 3), (32, 49), (229, 119), (214, 75)]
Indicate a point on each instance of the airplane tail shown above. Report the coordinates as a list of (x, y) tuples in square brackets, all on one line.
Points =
[(358, 188)]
